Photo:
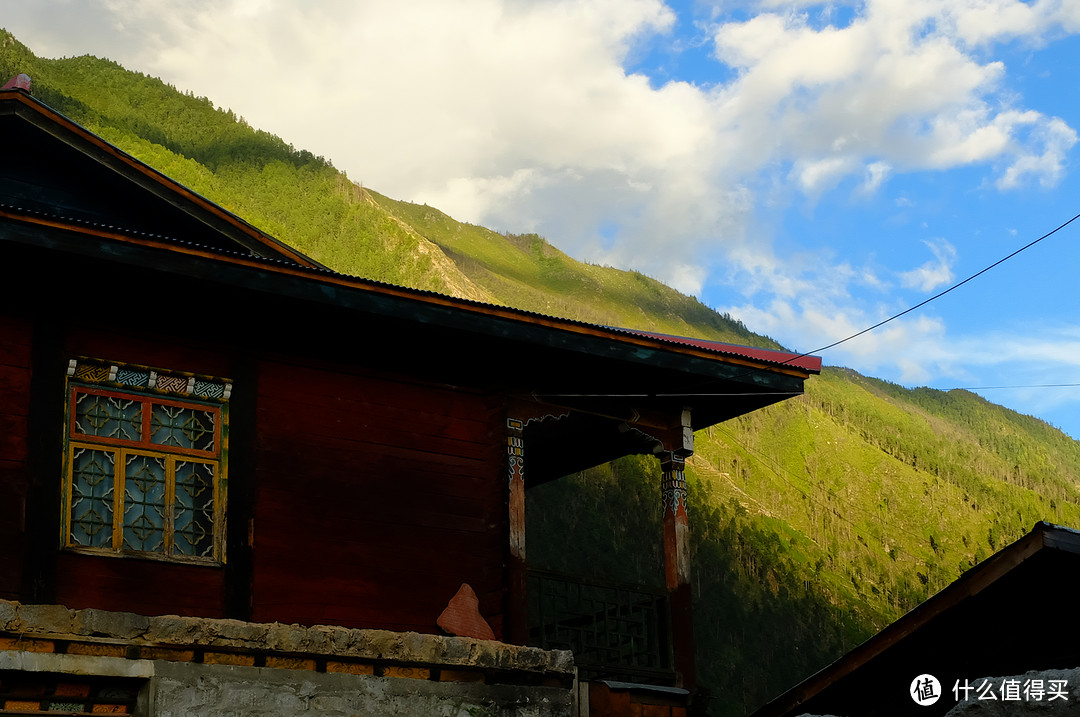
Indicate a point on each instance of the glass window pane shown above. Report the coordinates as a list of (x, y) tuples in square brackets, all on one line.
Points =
[(193, 511), (144, 503), (92, 483), (182, 427), (108, 416)]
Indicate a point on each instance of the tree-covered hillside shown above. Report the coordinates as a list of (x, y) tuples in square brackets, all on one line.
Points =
[(814, 522)]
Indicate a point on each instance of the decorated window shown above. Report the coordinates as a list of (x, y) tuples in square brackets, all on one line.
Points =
[(145, 465)]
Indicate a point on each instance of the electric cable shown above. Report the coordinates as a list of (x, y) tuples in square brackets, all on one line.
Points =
[(937, 295)]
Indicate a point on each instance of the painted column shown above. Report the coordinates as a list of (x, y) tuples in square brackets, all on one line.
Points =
[(677, 552), (676, 521), (516, 629)]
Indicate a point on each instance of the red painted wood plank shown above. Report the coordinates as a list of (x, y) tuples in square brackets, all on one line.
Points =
[(145, 349), (10, 577), (332, 380), (378, 481), (344, 452), (456, 552), (15, 386), (373, 440), (428, 413), (374, 422), (302, 386), (12, 353), (16, 336), (145, 587), (388, 493)]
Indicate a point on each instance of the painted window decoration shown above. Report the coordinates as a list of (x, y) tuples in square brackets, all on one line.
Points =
[(145, 472)]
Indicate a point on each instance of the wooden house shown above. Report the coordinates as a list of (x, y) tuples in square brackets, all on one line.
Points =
[(199, 421)]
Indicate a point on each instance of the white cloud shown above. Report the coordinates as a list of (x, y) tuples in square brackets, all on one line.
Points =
[(1057, 139), (935, 273), (876, 173)]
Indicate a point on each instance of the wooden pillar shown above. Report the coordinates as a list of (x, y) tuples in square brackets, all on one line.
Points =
[(677, 564), (516, 629), (677, 552)]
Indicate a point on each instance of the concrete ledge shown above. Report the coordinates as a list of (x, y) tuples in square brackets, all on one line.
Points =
[(76, 664), (56, 622)]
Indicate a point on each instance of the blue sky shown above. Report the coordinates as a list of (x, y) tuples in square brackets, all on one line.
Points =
[(811, 168)]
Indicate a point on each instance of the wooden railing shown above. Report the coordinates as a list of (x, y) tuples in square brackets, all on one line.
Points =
[(615, 630)]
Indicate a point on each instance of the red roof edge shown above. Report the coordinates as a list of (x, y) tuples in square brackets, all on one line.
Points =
[(20, 81), (783, 358)]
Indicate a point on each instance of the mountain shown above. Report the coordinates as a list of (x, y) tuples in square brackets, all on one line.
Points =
[(815, 522)]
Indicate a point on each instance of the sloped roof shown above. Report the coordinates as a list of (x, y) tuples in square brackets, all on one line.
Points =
[(107, 178), (1010, 614), (252, 245), (783, 358)]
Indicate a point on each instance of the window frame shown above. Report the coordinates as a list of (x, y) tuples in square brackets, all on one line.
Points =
[(150, 387)]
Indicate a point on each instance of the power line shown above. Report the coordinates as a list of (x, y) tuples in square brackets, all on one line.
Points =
[(1030, 385), (834, 344), (937, 295)]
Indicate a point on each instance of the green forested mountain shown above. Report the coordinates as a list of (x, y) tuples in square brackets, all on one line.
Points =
[(814, 522)]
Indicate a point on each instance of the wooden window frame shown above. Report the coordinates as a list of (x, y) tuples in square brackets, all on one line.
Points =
[(151, 387)]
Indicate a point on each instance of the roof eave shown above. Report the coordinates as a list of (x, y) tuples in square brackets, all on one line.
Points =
[(20, 103), (258, 272)]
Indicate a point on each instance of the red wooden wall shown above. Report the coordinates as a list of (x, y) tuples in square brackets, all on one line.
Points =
[(15, 374), (132, 585), (376, 497), (373, 496)]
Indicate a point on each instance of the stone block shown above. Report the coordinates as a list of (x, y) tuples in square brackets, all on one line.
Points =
[(287, 638), (237, 633), (103, 623), (174, 630), (376, 644), (8, 614), (44, 619)]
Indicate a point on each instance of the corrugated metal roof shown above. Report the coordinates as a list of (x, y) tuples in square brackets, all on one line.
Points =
[(786, 358), (801, 362)]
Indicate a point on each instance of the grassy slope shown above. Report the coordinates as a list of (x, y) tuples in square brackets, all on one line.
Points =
[(527, 272), (815, 522)]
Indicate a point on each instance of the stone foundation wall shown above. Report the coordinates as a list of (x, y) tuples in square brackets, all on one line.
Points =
[(228, 667), (181, 690)]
